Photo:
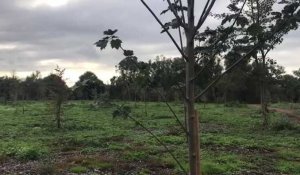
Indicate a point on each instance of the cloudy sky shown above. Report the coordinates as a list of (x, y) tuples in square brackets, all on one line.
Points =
[(40, 34)]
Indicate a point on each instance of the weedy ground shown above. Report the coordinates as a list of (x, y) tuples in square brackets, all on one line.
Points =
[(93, 142)]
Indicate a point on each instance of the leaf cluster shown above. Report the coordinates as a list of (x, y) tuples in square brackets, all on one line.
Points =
[(114, 41)]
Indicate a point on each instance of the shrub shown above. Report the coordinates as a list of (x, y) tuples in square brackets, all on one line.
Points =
[(122, 111), (283, 123), (30, 153)]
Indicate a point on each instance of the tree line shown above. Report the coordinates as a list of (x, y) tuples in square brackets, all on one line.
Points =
[(161, 79)]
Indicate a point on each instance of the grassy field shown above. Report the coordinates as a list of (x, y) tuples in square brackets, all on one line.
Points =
[(291, 106), (93, 142)]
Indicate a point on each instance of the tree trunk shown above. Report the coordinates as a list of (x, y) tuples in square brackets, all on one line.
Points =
[(193, 124), (263, 91), (135, 98), (145, 102), (58, 112)]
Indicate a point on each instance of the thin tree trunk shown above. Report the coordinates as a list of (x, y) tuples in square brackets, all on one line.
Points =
[(263, 91), (135, 97), (129, 93), (193, 124), (58, 118), (145, 102)]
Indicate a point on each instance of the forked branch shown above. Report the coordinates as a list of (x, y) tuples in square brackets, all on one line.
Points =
[(165, 29), (205, 14), (218, 40), (174, 11)]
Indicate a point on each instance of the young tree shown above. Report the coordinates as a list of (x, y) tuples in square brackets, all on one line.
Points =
[(265, 28), (184, 19), (88, 87), (297, 73), (58, 91), (32, 86)]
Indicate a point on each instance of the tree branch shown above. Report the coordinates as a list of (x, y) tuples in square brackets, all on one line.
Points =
[(204, 9), (160, 142), (220, 38), (179, 29), (203, 68), (180, 38), (203, 18), (165, 29), (182, 12), (176, 14), (226, 71), (173, 112), (248, 54)]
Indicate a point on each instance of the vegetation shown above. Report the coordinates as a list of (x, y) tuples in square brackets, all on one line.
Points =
[(165, 73), (146, 121), (92, 140)]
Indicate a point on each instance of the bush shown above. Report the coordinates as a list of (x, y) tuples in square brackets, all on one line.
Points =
[(122, 111), (283, 123), (22, 152), (30, 153)]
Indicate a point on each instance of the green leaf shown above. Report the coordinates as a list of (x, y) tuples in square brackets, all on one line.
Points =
[(276, 14), (101, 43), (110, 32), (116, 43), (233, 7), (242, 21), (128, 53), (164, 11), (255, 29), (228, 18), (174, 23)]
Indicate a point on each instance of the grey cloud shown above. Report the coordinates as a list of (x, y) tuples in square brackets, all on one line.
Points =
[(68, 32)]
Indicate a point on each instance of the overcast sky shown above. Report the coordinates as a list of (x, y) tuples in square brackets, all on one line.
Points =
[(40, 34)]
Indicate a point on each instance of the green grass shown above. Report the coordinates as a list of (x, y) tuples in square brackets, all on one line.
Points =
[(232, 139), (78, 169)]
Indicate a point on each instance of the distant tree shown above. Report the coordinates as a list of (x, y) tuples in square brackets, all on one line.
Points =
[(128, 68), (291, 88), (57, 91), (264, 28), (32, 86), (4, 89), (167, 75), (88, 87), (10, 88), (297, 73)]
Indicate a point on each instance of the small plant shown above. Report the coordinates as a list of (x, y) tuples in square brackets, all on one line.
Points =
[(283, 123), (103, 100), (210, 169), (78, 169), (58, 92), (122, 111), (30, 153)]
